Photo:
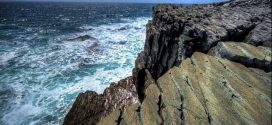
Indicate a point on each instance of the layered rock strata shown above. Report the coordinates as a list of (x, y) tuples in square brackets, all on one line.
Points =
[(204, 64), (203, 90), (246, 54), (175, 32)]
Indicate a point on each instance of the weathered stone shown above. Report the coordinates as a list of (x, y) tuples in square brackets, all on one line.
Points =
[(176, 84), (150, 107), (248, 55), (261, 34), (217, 91), (175, 32), (112, 118), (203, 90), (132, 115), (90, 107)]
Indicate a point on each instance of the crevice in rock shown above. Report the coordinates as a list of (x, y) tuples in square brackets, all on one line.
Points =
[(160, 107), (209, 117), (118, 121), (234, 94), (182, 117), (202, 99), (151, 39), (241, 79), (138, 110), (141, 84), (233, 73), (188, 83), (254, 63), (238, 34), (198, 42), (160, 63)]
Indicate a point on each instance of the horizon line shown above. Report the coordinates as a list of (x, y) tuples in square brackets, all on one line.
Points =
[(61, 1)]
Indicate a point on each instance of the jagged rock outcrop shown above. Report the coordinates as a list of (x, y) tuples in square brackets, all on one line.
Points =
[(204, 90), (205, 64), (90, 107), (175, 32)]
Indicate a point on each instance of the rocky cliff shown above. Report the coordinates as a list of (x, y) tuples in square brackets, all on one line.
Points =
[(204, 64)]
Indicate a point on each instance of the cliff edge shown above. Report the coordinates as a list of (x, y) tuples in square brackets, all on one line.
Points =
[(204, 64)]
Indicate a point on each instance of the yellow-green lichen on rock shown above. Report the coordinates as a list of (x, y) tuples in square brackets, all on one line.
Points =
[(219, 91)]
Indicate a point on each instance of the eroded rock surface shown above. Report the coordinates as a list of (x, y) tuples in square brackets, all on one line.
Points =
[(205, 64), (246, 54), (175, 32), (210, 90), (204, 90), (90, 107)]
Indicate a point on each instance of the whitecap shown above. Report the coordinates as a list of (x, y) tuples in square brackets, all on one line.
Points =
[(6, 56), (65, 19), (53, 75), (23, 112)]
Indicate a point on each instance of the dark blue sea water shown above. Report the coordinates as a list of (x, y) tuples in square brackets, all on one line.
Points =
[(41, 72)]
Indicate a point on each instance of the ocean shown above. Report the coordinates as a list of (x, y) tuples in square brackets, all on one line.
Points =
[(42, 70)]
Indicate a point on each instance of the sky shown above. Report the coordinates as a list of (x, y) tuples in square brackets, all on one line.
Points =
[(133, 1)]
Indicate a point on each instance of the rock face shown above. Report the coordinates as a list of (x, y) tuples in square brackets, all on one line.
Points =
[(205, 64), (210, 90), (90, 107), (175, 32), (204, 90)]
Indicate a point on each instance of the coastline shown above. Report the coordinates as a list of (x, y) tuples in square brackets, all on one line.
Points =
[(188, 51)]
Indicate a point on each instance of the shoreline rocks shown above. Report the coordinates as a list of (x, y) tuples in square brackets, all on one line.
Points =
[(175, 32), (90, 107), (204, 64)]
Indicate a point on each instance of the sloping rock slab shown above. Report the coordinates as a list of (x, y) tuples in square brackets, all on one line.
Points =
[(210, 90), (203, 90), (248, 55)]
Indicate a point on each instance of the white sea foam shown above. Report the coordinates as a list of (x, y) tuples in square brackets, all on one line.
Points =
[(20, 114), (6, 56), (53, 75)]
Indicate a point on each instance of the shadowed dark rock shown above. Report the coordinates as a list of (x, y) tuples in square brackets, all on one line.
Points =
[(83, 38), (248, 55)]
